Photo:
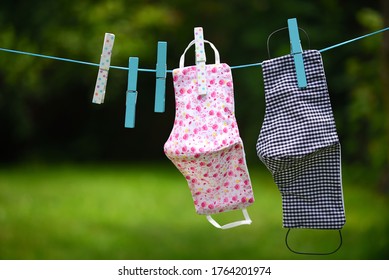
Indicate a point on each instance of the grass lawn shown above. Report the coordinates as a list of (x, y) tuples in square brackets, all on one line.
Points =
[(145, 211)]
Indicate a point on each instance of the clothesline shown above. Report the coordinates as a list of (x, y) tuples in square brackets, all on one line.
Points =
[(153, 70)]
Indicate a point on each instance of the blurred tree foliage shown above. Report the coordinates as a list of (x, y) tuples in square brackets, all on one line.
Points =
[(45, 105)]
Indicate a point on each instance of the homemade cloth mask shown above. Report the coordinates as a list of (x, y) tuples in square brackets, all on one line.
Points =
[(298, 143), (205, 144)]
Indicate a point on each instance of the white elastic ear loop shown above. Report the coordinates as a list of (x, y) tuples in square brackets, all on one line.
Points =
[(217, 55), (246, 221)]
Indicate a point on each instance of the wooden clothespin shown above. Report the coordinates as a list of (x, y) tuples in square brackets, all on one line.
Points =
[(297, 52), (105, 62), (200, 61), (132, 93), (160, 87)]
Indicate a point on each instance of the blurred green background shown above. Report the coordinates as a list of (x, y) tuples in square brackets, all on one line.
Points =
[(76, 184)]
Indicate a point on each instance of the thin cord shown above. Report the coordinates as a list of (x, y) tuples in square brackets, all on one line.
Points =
[(70, 60), (353, 40), (246, 65), (313, 253), (268, 39), (49, 57), (169, 71)]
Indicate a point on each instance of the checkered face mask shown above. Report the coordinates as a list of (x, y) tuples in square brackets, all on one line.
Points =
[(205, 145), (298, 143)]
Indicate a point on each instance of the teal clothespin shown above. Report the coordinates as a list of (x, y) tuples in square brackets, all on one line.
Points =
[(297, 52), (131, 92), (160, 88)]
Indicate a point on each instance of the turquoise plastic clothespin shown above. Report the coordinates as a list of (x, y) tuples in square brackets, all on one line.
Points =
[(131, 92), (160, 87), (297, 52)]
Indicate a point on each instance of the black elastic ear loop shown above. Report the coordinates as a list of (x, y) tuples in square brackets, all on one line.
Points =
[(312, 253), (268, 39)]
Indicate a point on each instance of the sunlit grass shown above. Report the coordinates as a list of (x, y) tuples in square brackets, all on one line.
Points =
[(145, 211)]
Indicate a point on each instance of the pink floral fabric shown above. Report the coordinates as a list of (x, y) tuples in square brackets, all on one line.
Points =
[(205, 144)]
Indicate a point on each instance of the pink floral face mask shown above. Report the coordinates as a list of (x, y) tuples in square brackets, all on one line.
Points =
[(205, 144)]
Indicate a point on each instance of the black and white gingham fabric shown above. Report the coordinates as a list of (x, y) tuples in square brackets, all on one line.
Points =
[(299, 145)]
